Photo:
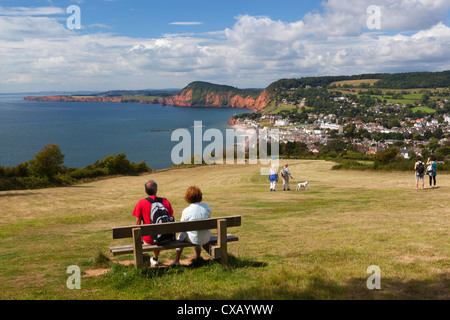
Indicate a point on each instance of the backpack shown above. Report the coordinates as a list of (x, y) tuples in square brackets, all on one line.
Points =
[(159, 214), (430, 170), (420, 168)]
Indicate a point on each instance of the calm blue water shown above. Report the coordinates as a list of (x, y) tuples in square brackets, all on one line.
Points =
[(87, 131)]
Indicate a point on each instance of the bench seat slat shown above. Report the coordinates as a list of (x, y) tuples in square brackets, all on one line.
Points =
[(174, 227), (128, 249)]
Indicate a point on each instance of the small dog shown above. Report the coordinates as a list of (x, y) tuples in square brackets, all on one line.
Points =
[(302, 185)]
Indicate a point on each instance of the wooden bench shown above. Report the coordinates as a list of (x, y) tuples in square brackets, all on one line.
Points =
[(216, 247)]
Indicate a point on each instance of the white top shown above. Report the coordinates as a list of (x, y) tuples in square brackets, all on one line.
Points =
[(288, 173), (196, 211)]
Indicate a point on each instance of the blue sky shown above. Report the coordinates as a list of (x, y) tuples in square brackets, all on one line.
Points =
[(139, 44), (149, 18)]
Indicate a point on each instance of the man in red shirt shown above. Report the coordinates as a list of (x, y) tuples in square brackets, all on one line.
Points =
[(142, 213)]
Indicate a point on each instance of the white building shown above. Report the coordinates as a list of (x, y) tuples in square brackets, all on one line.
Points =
[(331, 126), (281, 122)]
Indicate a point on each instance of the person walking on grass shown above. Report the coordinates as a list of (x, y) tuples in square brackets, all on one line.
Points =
[(196, 210), (419, 169), (431, 170), (285, 174), (273, 177), (142, 212)]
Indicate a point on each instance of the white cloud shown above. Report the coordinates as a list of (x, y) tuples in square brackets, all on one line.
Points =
[(39, 53), (186, 23), (25, 11)]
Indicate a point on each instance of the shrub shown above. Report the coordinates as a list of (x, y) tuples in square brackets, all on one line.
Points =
[(87, 173), (47, 163), (386, 156), (351, 165), (119, 164)]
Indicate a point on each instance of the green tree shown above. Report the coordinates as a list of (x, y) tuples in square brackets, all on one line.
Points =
[(438, 133), (118, 164), (433, 144), (386, 156), (47, 163)]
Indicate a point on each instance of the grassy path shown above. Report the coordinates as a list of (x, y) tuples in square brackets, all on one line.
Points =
[(293, 245)]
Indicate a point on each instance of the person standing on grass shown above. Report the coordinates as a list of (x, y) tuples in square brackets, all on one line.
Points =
[(286, 174), (273, 177), (419, 168), (142, 212), (196, 210), (432, 173)]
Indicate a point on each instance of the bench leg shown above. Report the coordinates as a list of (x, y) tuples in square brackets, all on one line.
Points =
[(219, 252), (222, 241), (137, 246)]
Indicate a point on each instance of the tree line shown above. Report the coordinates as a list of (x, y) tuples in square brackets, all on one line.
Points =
[(47, 169), (407, 80)]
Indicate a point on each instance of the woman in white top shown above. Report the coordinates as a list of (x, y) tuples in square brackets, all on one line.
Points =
[(196, 210), (273, 177)]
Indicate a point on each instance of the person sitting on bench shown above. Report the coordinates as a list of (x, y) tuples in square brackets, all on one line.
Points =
[(142, 213), (196, 210)]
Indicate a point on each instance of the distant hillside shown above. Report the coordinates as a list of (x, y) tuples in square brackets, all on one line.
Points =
[(409, 80), (117, 93), (204, 94)]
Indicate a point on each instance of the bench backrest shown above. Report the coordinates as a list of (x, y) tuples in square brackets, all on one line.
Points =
[(174, 227)]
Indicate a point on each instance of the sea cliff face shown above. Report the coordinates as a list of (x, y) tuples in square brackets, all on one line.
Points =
[(186, 98), (196, 94)]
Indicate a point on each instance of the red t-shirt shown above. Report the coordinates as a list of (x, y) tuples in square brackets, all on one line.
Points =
[(142, 211)]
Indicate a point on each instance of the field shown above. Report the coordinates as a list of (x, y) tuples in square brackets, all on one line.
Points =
[(355, 83), (313, 244), (424, 109), (406, 100)]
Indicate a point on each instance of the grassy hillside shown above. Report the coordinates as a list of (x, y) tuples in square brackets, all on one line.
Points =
[(293, 245), (407, 80), (201, 90)]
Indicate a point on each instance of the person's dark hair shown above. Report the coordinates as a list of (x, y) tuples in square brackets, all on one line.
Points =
[(193, 195), (151, 187), (433, 158), (419, 158)]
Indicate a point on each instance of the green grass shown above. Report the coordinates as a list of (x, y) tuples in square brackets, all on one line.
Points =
[(413, 96), (313, 244), (400, 101), (149, 98), (279, 109), (407, 99), (424, 109)]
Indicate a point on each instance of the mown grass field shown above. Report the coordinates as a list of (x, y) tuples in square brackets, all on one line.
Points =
[(424, 109), (316, 244), (355, 83)]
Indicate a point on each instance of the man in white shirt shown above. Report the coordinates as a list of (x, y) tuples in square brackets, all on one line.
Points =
[(285, 174)]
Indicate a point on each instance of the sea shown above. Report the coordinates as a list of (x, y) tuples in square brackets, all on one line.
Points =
[(90, 131)]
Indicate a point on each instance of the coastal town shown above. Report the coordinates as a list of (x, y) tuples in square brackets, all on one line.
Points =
[(409, 135)]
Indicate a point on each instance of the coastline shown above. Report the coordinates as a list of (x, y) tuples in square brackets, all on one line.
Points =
[(161, 101), (153, 127)]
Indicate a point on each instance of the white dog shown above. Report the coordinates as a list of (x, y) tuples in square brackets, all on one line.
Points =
[(302, 185)]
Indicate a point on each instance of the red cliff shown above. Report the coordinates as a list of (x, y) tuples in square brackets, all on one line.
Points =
[(196, 94), (219, 99)]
